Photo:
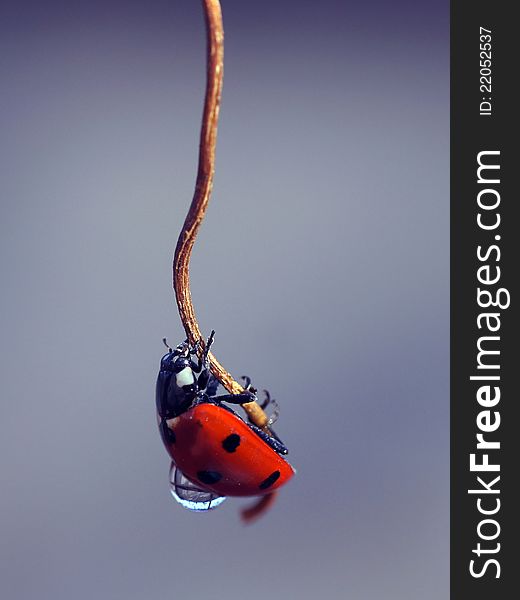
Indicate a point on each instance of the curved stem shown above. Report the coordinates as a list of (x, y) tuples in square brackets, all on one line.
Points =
[(203, 187)]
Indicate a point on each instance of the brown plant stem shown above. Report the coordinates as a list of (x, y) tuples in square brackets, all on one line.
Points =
[(203, 187)]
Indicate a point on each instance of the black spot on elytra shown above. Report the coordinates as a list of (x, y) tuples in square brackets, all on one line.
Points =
[(209, 477), (270, 480), (231, 443)]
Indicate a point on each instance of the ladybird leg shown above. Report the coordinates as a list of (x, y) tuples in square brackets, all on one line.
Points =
[(247, 384), (276, 409), (266, 401), (193, 351), (275, 414), (209, 343), (206, 380), (203, 362), (203, 380), (195, 367), (234, 398), (272, 440), (212, 385)]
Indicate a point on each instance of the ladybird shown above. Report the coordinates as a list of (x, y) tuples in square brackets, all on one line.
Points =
[(214, 452)]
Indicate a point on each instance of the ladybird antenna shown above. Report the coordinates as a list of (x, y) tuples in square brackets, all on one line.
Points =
[(210, 341), (166, 344)]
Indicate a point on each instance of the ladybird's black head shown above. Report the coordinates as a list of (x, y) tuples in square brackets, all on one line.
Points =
[(177, 359), (180, 363), (174, 363)]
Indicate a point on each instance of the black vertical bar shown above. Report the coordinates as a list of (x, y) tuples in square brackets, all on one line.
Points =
[(483, 120)]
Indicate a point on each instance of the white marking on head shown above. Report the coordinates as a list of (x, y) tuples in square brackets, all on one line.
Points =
[(184, 377)]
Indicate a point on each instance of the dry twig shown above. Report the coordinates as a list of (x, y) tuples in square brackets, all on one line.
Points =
[(206, 169)]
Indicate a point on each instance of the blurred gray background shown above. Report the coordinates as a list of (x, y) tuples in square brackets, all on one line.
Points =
[(322, 265)]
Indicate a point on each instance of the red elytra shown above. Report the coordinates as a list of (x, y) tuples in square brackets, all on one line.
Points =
[(218, 451)]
